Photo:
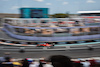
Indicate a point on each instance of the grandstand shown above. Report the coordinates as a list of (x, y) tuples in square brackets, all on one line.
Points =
[(63, 34), (89, 14), (61, 31)]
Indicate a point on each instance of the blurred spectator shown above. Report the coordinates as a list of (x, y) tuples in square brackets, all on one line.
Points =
[(6, 55), (42, 21), (48, 64), (92, 63), (40, 64), (25, 63), (36, 62), (77, 64), (7, 62), (1, 64), (32, 65), (85, 63), (2, 59), (17, 63), (60, 61)]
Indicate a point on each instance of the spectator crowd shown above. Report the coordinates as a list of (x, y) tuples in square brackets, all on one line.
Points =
[(52, 61)]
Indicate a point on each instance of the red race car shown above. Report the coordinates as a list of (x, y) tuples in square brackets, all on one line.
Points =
[(44, 45)]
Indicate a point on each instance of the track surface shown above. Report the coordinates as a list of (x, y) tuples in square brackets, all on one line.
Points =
[(80, 53)]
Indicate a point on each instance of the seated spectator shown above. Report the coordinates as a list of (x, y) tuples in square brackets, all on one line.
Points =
[(21, 30), (75, 30), (38, 30), (59, 30), (85, 29), (94, 29), (27, 31), (32, 31), (47, 32), (42, 21)]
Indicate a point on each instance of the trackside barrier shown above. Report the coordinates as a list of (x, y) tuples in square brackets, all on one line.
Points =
[(11, 44), (65, 46), (71, 38)]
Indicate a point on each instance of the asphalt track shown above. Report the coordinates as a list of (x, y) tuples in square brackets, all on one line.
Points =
[(77, 53), (31, 53)]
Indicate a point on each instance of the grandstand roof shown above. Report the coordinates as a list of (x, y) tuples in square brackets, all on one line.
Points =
[(88, 12)]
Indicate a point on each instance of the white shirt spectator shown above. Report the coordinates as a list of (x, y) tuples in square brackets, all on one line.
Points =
[(32, 65), (86, 64), (47, 65)]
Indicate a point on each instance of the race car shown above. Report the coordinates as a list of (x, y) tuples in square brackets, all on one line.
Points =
[(44, 45)]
